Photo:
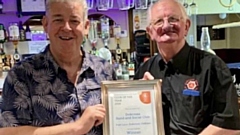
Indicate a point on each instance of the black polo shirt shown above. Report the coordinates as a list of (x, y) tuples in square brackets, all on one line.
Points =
[(197, 90)]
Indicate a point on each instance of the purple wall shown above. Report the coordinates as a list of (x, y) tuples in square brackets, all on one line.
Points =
[(10, 9), (9, 13)]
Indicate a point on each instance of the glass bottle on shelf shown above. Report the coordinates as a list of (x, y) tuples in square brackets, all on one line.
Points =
[(93, 36), (131, 68), (14, 33), (2, 53), (2, 38), (7, 65), (125, 71), (12, 60), (206, 41), (16, 56), (28, 33), (104, 52), (118, 69), (14, 38), (105, 33), (117, 34), (21, 32)]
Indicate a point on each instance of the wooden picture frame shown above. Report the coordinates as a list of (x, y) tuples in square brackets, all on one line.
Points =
[(133, 107)]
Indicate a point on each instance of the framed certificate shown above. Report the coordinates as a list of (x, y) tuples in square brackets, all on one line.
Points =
[(132, 107)]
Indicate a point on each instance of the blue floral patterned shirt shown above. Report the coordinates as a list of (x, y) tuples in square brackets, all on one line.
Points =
[(37, 91)]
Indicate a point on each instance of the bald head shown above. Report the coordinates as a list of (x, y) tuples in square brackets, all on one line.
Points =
[(163, 3)]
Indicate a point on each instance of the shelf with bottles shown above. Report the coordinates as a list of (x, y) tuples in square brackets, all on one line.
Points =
[(112, 44), (104, 28), (27, 31), (105, 33), (33, 35), (11, 54), (124, 65), (124, 70), (104, 36), (15, 38)]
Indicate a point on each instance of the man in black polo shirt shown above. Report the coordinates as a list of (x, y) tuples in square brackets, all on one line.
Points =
[(198, 93)]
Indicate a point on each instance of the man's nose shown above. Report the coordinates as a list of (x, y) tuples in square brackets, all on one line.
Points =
[(67, 26), (166, 25)]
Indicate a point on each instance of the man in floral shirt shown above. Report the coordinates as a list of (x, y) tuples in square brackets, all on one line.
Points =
[(57, 92)]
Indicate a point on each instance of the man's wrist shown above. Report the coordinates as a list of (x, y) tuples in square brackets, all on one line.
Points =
[(76, 128)]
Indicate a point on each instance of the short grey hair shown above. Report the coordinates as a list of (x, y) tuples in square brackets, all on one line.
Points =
[(81, 2), (182, 8)]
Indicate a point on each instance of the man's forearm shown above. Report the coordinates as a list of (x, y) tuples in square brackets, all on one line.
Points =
[(213, 130), (63, 129)]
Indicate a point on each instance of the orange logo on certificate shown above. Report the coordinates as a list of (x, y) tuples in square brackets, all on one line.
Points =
[(145, 97)]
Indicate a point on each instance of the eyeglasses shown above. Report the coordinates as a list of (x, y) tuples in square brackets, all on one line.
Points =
[(171, 20)]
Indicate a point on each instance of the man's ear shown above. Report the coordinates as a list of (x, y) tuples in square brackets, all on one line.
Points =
[(187, 26), (86, 27), (45, 23), (149, 31)]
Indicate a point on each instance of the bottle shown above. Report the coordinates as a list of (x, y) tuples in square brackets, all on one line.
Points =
[(2, 54), (13, 31), (28, 33), (3, 39), (7, 64), (12, 61), (105, 33), (93, 36), (2, 34), (21, 32), (16, 56), (117, 34), (131, 68), (118, 69), (125, 72), (206, 41), (6, 35)]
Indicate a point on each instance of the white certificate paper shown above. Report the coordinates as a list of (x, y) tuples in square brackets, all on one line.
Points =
[(132, 111), (133, 107)]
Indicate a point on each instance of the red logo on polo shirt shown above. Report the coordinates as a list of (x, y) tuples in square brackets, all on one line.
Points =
[(191, 84)]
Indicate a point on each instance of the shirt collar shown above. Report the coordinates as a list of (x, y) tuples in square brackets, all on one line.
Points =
[(179, 62), (87, 60)]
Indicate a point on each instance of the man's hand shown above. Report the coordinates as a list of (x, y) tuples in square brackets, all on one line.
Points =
[(147, 76), (92, 116)]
